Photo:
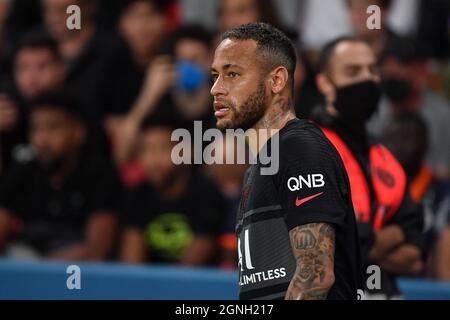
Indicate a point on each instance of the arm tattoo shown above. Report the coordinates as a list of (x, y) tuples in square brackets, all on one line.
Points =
[(313, 248)]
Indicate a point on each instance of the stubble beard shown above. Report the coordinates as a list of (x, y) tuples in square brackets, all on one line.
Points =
[(248, 113)]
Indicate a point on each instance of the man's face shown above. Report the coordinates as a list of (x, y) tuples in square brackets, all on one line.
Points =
[(155, 155), (55, 17), (351, 63), (415, 72), (54, 135), (237, 12), (193, 51), (408, 144), (142, 26), (239, 88), (37, 70)]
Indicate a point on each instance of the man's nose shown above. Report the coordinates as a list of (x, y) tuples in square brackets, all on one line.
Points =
[(218, 88), (369, 74)]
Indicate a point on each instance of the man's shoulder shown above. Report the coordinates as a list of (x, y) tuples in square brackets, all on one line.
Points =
[(304, 137), (301, 130)]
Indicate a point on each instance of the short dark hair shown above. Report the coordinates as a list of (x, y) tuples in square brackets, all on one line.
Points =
[(160, 6), (194, 32), (38, 40), (162, 119), (60, 101), (384, 4), (267, 12), (327, 52), (405, 49), (274, 46), (408, 118)]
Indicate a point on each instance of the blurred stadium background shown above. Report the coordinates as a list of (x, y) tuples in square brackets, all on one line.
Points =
[(85, 123)]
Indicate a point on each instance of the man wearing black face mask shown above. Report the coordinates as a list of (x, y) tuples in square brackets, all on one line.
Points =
[(390, 226)]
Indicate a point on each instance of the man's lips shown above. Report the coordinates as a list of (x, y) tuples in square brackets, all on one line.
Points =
[(221, 109)]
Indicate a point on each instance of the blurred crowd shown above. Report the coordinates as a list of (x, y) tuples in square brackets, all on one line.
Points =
[(86, 117)]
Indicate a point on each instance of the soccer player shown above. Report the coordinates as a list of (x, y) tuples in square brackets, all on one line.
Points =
[(296, 229)]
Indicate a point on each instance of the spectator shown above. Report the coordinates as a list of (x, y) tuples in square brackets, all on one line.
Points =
[(85, 52), (351, 17), (17, 18), (390, 224), (189, 93), (60, 202), (137, 80), (37, 68), (175, 215), (404, 72), (178, 85), (233, 13), (407, 138), (193, 58)]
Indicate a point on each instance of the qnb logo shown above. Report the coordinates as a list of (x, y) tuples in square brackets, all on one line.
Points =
[(310, 181)]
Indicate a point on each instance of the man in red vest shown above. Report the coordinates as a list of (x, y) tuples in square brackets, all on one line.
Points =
[(390, 224)]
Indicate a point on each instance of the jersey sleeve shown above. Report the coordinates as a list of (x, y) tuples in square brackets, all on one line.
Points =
[(313, 187)]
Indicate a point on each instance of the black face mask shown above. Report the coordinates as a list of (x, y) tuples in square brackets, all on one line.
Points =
[(357, 102), (397, 90)]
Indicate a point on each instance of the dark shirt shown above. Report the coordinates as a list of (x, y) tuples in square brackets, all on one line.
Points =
[(55, 217), (271, 206), (169, 225), (121, 82)]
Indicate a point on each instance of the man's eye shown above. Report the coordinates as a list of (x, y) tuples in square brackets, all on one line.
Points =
[(214, 77), (232, 74)]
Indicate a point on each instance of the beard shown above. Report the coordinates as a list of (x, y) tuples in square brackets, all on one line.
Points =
[(248, 113)]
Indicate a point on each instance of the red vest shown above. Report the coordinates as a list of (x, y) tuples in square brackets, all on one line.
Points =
[(387, 178)]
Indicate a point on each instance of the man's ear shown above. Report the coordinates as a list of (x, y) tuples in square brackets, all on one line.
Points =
[(278, 80), (326, 88)]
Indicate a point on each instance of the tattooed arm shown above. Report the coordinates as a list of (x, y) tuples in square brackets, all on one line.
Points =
[(313, 247)]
